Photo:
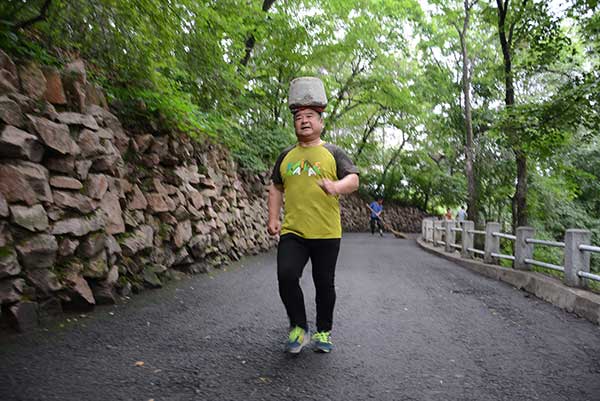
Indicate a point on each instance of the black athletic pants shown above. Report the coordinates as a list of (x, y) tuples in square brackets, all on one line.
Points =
[(292, 254), (376, 222)]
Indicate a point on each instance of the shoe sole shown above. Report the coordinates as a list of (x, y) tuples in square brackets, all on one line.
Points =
[(322, 351)]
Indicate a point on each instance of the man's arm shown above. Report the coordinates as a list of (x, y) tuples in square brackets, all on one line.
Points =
[(275, 202), (346, 185)]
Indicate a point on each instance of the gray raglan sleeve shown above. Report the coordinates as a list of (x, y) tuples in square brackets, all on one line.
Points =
[(276, 174), (343, 163)]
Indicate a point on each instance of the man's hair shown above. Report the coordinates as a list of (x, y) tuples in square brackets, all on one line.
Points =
[(314, 108)]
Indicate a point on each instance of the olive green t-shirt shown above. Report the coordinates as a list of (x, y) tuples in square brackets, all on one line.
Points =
[(310, 212)]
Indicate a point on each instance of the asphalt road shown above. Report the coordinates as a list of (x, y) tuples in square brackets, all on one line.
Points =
[(407, 326)]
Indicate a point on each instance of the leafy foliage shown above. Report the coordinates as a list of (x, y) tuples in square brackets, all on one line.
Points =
[(221, 69)]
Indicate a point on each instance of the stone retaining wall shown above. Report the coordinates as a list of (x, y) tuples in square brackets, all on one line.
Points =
[(89, 211)]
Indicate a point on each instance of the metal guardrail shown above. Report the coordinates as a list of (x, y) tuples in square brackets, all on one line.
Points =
[(576, 245), (544, 264), (589, 248), (507, 236), (502, 256), (475, 250), (544, 242)]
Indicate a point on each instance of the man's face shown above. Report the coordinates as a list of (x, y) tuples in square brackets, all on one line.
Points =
[(308, 124)]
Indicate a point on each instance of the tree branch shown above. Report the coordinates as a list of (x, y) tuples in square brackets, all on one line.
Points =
[(40, 17)]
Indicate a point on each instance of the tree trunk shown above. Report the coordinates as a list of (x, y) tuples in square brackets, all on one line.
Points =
[(390, 163), (519, 204), (472, 202), (251, 40), (40, 17)]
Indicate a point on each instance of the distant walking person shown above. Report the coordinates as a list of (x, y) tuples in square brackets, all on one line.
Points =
[(448, 215), (376, 210), (462, 214), (311, 175)]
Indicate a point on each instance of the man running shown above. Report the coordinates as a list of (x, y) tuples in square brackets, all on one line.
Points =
[(310, 175)]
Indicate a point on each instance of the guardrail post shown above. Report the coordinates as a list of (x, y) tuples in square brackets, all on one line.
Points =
[(424, 229), (430, 230), (523, 250), (576, 260), (437, 234), (467, 238), (450, 235), (492, 243)]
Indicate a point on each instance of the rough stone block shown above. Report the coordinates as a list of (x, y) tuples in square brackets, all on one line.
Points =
[(9, 263), (24, 181), (64, 182), (141, 238), (80, 226), (24, 315), (33, 80), (71, 118), (54, 89), (74, 201), (38, 252), (45, 281), (10, 112), (55, 136), (112, 208), (11, 290), (91, 245), (32, 218), (97, 185), (7, 64), (4, 211)]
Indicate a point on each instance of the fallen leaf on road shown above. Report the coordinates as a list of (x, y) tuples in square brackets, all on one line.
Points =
[(139, 363)]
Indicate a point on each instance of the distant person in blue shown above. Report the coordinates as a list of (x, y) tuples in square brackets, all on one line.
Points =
[(462, 214), (376, 210)]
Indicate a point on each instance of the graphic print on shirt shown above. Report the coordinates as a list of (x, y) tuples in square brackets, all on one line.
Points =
[(303, 166)]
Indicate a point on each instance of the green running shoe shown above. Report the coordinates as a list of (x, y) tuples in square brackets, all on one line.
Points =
[(297, 339), (323, 341)]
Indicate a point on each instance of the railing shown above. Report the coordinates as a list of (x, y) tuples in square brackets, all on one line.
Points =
[(577, 247)]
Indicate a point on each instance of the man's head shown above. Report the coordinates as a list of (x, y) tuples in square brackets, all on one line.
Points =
[(308, 123), (307, 101), (380, 200)]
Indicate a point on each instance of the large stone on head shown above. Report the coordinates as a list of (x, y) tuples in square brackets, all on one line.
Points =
[(307, 92), (24, 181)]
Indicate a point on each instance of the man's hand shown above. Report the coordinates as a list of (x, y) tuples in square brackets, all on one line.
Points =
[(274, 227), (328, 186)]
